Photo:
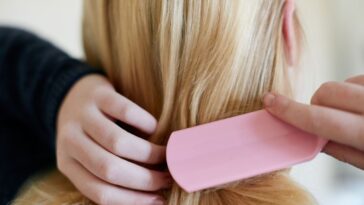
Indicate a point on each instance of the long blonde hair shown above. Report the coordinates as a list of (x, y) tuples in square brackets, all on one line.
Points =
[(190, 62)]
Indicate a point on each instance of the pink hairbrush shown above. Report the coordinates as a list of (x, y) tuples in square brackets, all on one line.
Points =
[(237, 148)]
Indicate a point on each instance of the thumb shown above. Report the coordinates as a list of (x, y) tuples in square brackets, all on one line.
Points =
[(292, 112), (280, 106)]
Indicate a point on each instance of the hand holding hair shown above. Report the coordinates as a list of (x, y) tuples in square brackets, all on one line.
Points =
[(93, 151), (336, 113)]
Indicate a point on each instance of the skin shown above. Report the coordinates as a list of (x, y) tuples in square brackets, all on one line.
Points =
[(100, 158), (336, 113)]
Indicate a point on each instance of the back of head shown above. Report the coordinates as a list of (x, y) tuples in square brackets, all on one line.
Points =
[(190, 62)]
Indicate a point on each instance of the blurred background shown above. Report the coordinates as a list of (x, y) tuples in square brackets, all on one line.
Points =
[(334, 32)]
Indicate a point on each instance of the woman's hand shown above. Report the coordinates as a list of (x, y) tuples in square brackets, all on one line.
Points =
[(97, 155), (336, 113)]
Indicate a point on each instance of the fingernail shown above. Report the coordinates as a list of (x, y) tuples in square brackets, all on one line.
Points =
[(268, 99)]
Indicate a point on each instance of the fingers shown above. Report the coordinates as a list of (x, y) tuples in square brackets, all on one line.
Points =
[(346, 154), (121, 108), (103, 193), (357, 80), (120, 142), (332, 124), (113, 169), (343, 96)]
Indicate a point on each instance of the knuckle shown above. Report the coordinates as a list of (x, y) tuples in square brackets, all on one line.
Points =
[(122, 105), (105, 98), (321, 91), (88, 114), (123, 109), (324, 91), (150, 182), (105, 132), (100, 129), (284, 105), (107, 170), (99, 92), (66, 137), (327, 87), (117, 142), (115, 103), (102, 197), (313, 124)]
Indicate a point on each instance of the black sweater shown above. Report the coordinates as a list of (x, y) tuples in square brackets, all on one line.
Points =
[(34, 78)]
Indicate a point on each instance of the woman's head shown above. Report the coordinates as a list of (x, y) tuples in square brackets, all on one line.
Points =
[(190, 62)]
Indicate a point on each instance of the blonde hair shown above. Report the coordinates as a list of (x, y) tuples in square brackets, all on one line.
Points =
[(190, 62)]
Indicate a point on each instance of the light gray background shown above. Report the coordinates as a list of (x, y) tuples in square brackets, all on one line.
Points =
[(335, 43)]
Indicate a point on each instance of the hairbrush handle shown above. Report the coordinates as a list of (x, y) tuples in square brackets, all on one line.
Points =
[(236, 148)]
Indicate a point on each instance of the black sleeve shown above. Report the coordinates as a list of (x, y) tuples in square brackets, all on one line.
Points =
[(34, 78)]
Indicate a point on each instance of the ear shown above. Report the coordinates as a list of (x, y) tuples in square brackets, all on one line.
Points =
[(289, 34)]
